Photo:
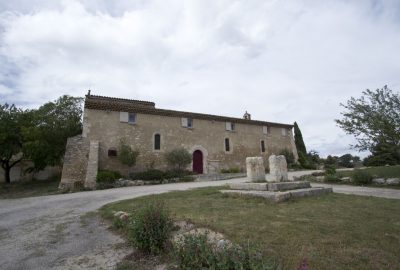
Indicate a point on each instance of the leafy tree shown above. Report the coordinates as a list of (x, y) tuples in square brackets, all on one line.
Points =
[(10, 138), (127, 155), (298, 139), (178, 158), (374, 120), (51, 125)]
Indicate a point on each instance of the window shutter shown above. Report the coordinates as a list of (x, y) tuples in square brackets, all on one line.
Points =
[(265, 129), (123, 117), (284, 131), (184, 122), (228, 126)]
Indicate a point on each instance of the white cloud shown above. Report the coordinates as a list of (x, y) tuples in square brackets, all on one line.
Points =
[(282, 61)]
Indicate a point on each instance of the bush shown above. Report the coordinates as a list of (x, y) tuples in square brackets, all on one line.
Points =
[(150, 228), (330, 169), (127, 155), (149, 175), (231, 170), (178, 158), (107, 176), (332, 178), (196, 252), (158, 175), (289, 156), (361, 177)]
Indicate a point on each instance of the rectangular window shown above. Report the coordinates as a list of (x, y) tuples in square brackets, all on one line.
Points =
[(112, 152), (157, 142), (262, 146), (227, 145), (230, 126), (123, 117), (132, 118), (187, 122), (284, 132), (266, 130)]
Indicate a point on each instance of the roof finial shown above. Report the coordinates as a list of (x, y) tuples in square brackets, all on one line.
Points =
[(247, 116), (88, 93)]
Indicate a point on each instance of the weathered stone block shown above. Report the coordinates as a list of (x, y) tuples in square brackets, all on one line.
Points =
[(379, 181), (255, 169), (278, 169), (393, 181)]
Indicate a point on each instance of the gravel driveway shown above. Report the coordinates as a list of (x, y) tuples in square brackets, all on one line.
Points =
[(55, 232)]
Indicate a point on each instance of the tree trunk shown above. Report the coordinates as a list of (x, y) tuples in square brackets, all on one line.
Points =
[(7, 174)]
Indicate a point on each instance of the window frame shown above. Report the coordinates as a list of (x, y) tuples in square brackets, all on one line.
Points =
[(262, 146), (155, 142), (227, 145), (130, 114)]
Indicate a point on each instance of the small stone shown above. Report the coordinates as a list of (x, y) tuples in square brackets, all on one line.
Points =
[(393, 181), (345, 179), (380, 181)]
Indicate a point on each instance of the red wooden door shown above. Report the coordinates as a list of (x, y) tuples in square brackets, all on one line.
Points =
[(198, 161)]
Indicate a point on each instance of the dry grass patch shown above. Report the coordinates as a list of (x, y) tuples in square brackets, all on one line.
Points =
[(333, 232)]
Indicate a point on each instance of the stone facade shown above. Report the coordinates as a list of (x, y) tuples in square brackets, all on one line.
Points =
[(106, 121)]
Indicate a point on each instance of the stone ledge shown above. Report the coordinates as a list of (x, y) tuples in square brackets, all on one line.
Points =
[(249, 186), (281, 186), (281, 196)]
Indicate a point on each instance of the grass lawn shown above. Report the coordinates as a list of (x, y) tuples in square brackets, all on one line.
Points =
[(29, 188), (333, 232), (382, 171)]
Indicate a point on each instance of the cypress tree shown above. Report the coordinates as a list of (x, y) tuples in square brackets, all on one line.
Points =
[(298, 139)]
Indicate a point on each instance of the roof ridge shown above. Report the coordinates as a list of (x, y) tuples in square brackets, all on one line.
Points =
[(90, 96)]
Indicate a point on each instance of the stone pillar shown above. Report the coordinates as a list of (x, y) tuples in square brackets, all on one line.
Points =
[(278, 169), (255, 169), (92, 165)]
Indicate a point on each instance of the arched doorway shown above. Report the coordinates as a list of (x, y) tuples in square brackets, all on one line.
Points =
[(197, 161)]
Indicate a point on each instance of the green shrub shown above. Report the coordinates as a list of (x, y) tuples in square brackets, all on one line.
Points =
[(127, 155), (231, 170), (196, 252), (330, 169), (290, 160), (332, 178), (361, 177), (106, 176), (150, 228), (149, 175), (178, 158)]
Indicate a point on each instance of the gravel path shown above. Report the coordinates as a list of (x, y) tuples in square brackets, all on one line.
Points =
[(55, 232)]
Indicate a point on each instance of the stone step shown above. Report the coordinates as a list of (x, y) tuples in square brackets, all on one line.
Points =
[(278, 186), (281, 186), (281, 196)]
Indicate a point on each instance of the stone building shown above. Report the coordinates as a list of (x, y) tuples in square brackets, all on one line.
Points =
[(215, 142)]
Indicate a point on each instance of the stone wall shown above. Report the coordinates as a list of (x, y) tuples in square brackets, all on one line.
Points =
[(18, 172), (205, 135), (75, 162)]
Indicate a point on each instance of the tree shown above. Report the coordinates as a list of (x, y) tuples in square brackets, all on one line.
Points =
[(10, 138), (298, 139), (52, 124), (178, 158), (374, 120), (127, 155)]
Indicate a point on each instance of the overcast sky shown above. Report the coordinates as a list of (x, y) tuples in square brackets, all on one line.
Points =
[(282, 61)]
